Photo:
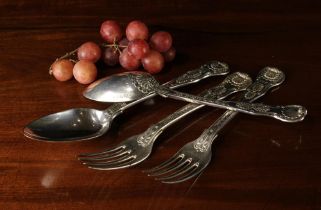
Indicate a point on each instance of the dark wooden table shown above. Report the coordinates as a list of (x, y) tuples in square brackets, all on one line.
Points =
[(259, 163)]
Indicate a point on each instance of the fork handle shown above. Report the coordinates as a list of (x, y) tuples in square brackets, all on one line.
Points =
[(258, 89), (232, 83), (212, 68)]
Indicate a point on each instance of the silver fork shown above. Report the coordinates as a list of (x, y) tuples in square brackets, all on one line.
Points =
[(194, 156), (137, 148)]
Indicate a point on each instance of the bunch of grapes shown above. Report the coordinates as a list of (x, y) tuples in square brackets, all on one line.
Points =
[(130, 52)]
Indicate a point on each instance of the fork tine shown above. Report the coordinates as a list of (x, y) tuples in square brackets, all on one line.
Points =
[(105, 157), (108, 161), (163, 165), (113, 149), (127, 162), (178, 173), (178, 165), (192, 173)]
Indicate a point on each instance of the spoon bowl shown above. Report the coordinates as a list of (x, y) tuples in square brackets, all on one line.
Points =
[(69, 125), (115, 88)]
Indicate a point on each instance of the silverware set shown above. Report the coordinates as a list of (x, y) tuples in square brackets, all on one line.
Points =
[(128, 89)]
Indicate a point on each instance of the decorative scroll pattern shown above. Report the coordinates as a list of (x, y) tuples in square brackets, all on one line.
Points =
[(146, 83), (247, 107), (214, 92), (271, 74), (206, 70), (239, 79), (148, 136), (291, 113), (253, 107), (267, 78), (203, 143), (234, 82), (143, 82)]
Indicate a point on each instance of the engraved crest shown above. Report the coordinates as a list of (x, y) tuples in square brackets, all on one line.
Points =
[(272, 74), (240, 80)]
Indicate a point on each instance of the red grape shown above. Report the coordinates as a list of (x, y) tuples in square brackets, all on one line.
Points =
[(123, 43), (138, 48), (136, 30), (89, 51), (161, 41), (111, 56), (110, 31), (170, 54), (62, 69), (153, 62), (85, 72), (128, 61)]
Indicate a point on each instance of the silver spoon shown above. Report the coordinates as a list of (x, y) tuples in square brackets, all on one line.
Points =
[(139, 83), (84, 123)]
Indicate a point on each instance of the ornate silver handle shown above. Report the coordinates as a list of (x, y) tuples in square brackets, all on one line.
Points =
[(290, 113), (232, 83), (260, 87), (212, 68)]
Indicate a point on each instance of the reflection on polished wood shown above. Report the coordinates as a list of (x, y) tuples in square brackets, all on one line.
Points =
[(259, 163)]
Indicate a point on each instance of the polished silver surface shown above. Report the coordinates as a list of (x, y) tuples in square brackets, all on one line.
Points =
[(119, 88), (69, 125), (84, 123), (137, 148), (143, 82), (195, 156)]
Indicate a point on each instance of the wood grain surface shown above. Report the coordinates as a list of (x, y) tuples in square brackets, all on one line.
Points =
[(258, 163)]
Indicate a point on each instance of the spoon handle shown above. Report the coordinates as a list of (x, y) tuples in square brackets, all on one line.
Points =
[(289, 113), (210, 69)]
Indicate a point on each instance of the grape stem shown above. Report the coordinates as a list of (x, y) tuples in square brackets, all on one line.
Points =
[(67, 55), (73, 53), (114, 45)]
